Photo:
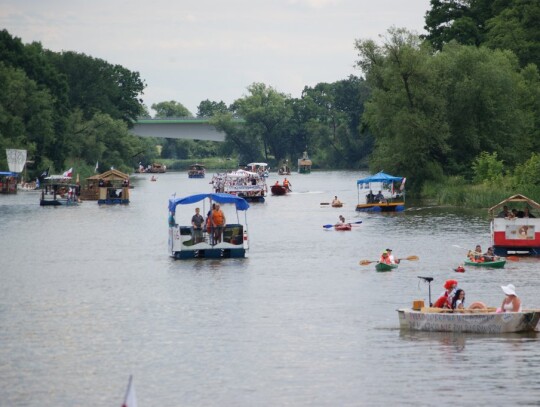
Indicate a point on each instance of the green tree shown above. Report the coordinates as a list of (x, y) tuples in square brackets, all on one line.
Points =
[(485, 95), (515, 28), (171, 109), (266, 112), (208, 108), (487, 168), (406, 112)]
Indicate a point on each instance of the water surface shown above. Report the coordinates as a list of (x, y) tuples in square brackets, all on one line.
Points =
[(90, 296)]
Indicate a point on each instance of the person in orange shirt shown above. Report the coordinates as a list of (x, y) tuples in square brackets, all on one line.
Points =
[(218, 223)]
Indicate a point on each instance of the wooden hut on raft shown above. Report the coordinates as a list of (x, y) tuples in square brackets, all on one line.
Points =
[(110, 187)]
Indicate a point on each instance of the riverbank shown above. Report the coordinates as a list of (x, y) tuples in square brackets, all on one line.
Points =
[(458, 192)]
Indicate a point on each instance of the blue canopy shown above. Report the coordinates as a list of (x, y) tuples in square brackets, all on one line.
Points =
[(240, 203), (9, 173), (379, 177)]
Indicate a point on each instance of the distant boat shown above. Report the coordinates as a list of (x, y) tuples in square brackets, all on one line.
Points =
[(515, 235), (389, 197), (246, 184), (279, 189), (59, 191), (196, 171), (304, 164)]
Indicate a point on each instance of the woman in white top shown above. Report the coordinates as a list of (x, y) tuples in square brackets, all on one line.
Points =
[(459, 299), (511, 302)]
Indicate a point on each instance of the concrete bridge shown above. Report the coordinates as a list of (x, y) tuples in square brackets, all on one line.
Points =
[(179, 128)]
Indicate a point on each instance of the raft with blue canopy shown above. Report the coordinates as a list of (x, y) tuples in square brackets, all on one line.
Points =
[(389, 195), (229, 240)]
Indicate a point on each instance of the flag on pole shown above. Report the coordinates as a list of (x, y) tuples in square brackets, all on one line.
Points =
[(68, 173), (402, 184), (130, 400), (97, 166)]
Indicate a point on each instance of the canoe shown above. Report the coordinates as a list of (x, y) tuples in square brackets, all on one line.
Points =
[(486, 321), (497, 264), (278, 190), (385, 267), (345, 226)]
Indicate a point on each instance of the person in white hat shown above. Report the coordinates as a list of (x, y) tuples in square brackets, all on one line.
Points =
[(511, 302)]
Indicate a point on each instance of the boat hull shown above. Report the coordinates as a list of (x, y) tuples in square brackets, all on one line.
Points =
[(499, 264), (183, 243), (195, 175), (381, 267), (344, 227), (477, 321), (278, 190), (381, 207)]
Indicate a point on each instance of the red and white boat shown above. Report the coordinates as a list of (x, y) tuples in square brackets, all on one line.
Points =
[(511, 234)]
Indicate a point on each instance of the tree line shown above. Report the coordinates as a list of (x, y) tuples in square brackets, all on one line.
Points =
[(425, 107)]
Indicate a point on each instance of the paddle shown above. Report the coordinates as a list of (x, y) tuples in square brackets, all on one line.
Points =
[(366, 262), (351, 223)]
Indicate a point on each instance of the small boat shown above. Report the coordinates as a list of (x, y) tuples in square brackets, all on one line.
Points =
[(59, 191), (279, 189), (8, 182), (284, 168), (515, 235), (304, 164), (245, 184), (185, 243), (390, 196), (385, 267), (482, 321), (496, 264), (337, 205), (109, 188), (343, 226), (196, 171)]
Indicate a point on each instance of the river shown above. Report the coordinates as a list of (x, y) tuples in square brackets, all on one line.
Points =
[(89, 296)]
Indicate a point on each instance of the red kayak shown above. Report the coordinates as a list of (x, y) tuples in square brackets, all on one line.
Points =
[(345, 226)]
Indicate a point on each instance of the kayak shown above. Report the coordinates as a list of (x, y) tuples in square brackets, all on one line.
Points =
[(497, 264), (345, 226), (385, 267)]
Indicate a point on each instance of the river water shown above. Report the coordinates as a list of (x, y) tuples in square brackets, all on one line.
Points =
[(88, 296)]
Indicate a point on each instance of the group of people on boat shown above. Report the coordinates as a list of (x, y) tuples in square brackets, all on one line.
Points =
[(514, 213), (286, 184), (388, 258), (214, 224), (454, 298), (478, 257), (371, 198)]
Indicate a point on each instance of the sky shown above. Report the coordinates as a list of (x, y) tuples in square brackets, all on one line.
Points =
[(190, 51)]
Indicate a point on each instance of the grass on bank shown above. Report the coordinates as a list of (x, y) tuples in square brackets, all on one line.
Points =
[(458, 192)]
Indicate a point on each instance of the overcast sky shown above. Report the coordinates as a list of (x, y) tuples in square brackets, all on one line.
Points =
[(190, 51)]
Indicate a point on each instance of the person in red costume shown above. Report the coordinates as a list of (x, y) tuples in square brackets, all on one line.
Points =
[(445, 300)]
